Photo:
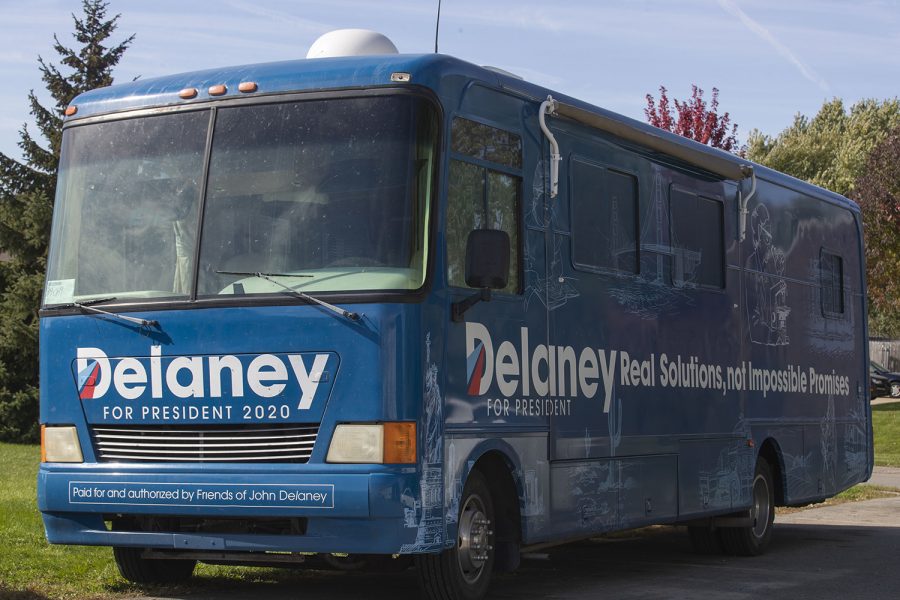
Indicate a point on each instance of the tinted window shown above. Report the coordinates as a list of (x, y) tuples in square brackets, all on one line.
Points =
[(486, 143), (831, 270), (331, 194), (127, 206), (698, 250), (479, 198), (605, 223)]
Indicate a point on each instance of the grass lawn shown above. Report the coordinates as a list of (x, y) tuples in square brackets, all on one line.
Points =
[(27, 561), (32, 569), (886, 428)]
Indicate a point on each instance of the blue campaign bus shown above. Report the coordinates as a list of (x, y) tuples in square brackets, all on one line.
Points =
[(402, 309)]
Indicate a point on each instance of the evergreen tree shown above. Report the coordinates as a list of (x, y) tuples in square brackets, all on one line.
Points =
[(27, 191)]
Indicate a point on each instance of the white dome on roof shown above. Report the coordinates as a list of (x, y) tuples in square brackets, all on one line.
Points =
[(351, 42)]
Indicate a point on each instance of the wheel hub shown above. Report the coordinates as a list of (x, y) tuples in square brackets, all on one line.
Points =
[(474, 543), (761, 507)]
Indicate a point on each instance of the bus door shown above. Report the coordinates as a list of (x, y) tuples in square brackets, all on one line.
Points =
[(608, 468), (583, 489), (487, 185), (495, 181)]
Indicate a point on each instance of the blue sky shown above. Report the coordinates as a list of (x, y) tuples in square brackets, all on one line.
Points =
[(770, 59)]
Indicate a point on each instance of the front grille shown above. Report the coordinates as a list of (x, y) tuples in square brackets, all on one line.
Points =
[(214, 443), (209, 525)]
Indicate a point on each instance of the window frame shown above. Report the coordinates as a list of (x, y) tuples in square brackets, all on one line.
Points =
[(831, 314), (723, 251), (486, 165), (573, 209), (355, 297)]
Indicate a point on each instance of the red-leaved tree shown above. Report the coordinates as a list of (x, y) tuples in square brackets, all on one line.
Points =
[(878, 193), (693, 118)]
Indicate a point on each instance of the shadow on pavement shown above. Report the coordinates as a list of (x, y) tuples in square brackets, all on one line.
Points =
[(805, 561)]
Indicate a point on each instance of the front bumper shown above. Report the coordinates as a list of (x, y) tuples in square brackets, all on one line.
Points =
[(354, 512)]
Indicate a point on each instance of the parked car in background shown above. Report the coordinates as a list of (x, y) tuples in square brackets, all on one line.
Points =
[(883, 382)]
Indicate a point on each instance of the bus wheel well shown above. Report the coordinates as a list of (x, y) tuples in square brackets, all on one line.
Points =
[(498, 473), (771, 453)]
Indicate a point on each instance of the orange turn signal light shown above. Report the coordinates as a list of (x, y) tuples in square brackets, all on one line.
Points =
[(400, 443), (247, 87), (70, 110), (43, 449), (188, 93)]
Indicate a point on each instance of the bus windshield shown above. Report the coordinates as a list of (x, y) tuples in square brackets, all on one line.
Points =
[(326, 195)]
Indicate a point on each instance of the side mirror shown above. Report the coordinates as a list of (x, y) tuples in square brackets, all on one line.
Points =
[(487, 268), (487, 259)]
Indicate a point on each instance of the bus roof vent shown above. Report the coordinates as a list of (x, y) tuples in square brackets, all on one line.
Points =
[(351, 42)]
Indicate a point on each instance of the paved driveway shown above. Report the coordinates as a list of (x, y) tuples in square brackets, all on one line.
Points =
[(847, 551)]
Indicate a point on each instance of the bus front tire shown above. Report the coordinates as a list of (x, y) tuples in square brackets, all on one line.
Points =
[(464, 571), (753, 540), (133, 567)]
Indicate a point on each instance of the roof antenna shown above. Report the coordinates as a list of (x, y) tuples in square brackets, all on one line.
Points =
[(437, 28)]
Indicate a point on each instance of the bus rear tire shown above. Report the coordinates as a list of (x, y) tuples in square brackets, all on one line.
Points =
[(133, 567), (464, 571), (753, 540)]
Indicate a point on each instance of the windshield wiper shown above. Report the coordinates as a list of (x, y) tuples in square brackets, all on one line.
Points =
[(88, 306), (263, 275), (353, 316)]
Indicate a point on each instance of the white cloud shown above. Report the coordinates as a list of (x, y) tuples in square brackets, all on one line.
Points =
[(785, 52), (308, 25)]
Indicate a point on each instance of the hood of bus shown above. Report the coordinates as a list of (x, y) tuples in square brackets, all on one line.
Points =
[(247, 365)]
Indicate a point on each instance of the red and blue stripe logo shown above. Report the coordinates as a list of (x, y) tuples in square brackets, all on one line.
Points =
[(88, 379), (475, 369)]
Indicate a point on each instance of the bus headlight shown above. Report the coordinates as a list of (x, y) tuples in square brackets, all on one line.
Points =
[(60, 444), (374, 443), (357, 443)]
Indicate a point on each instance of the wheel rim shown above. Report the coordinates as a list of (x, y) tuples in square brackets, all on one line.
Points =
[(474, 537), (762, 508), (895, 389)]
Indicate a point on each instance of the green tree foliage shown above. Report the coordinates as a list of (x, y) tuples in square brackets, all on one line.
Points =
[(878, 193), (829, 150), (27, 190)]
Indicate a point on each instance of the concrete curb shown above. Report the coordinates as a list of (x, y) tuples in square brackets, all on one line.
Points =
[(877, 401), (885, 476), (883, 512)]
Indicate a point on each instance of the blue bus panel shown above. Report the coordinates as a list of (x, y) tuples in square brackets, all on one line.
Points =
[(272, 325)]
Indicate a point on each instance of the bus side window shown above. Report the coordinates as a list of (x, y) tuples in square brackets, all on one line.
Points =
[(483, 198), (698, 244), (831, 278), (605, 223)]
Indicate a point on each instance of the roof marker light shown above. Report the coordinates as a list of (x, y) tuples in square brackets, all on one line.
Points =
[(400, 77), (217, 90), (188, 93), (247, 87), (70, 110)]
